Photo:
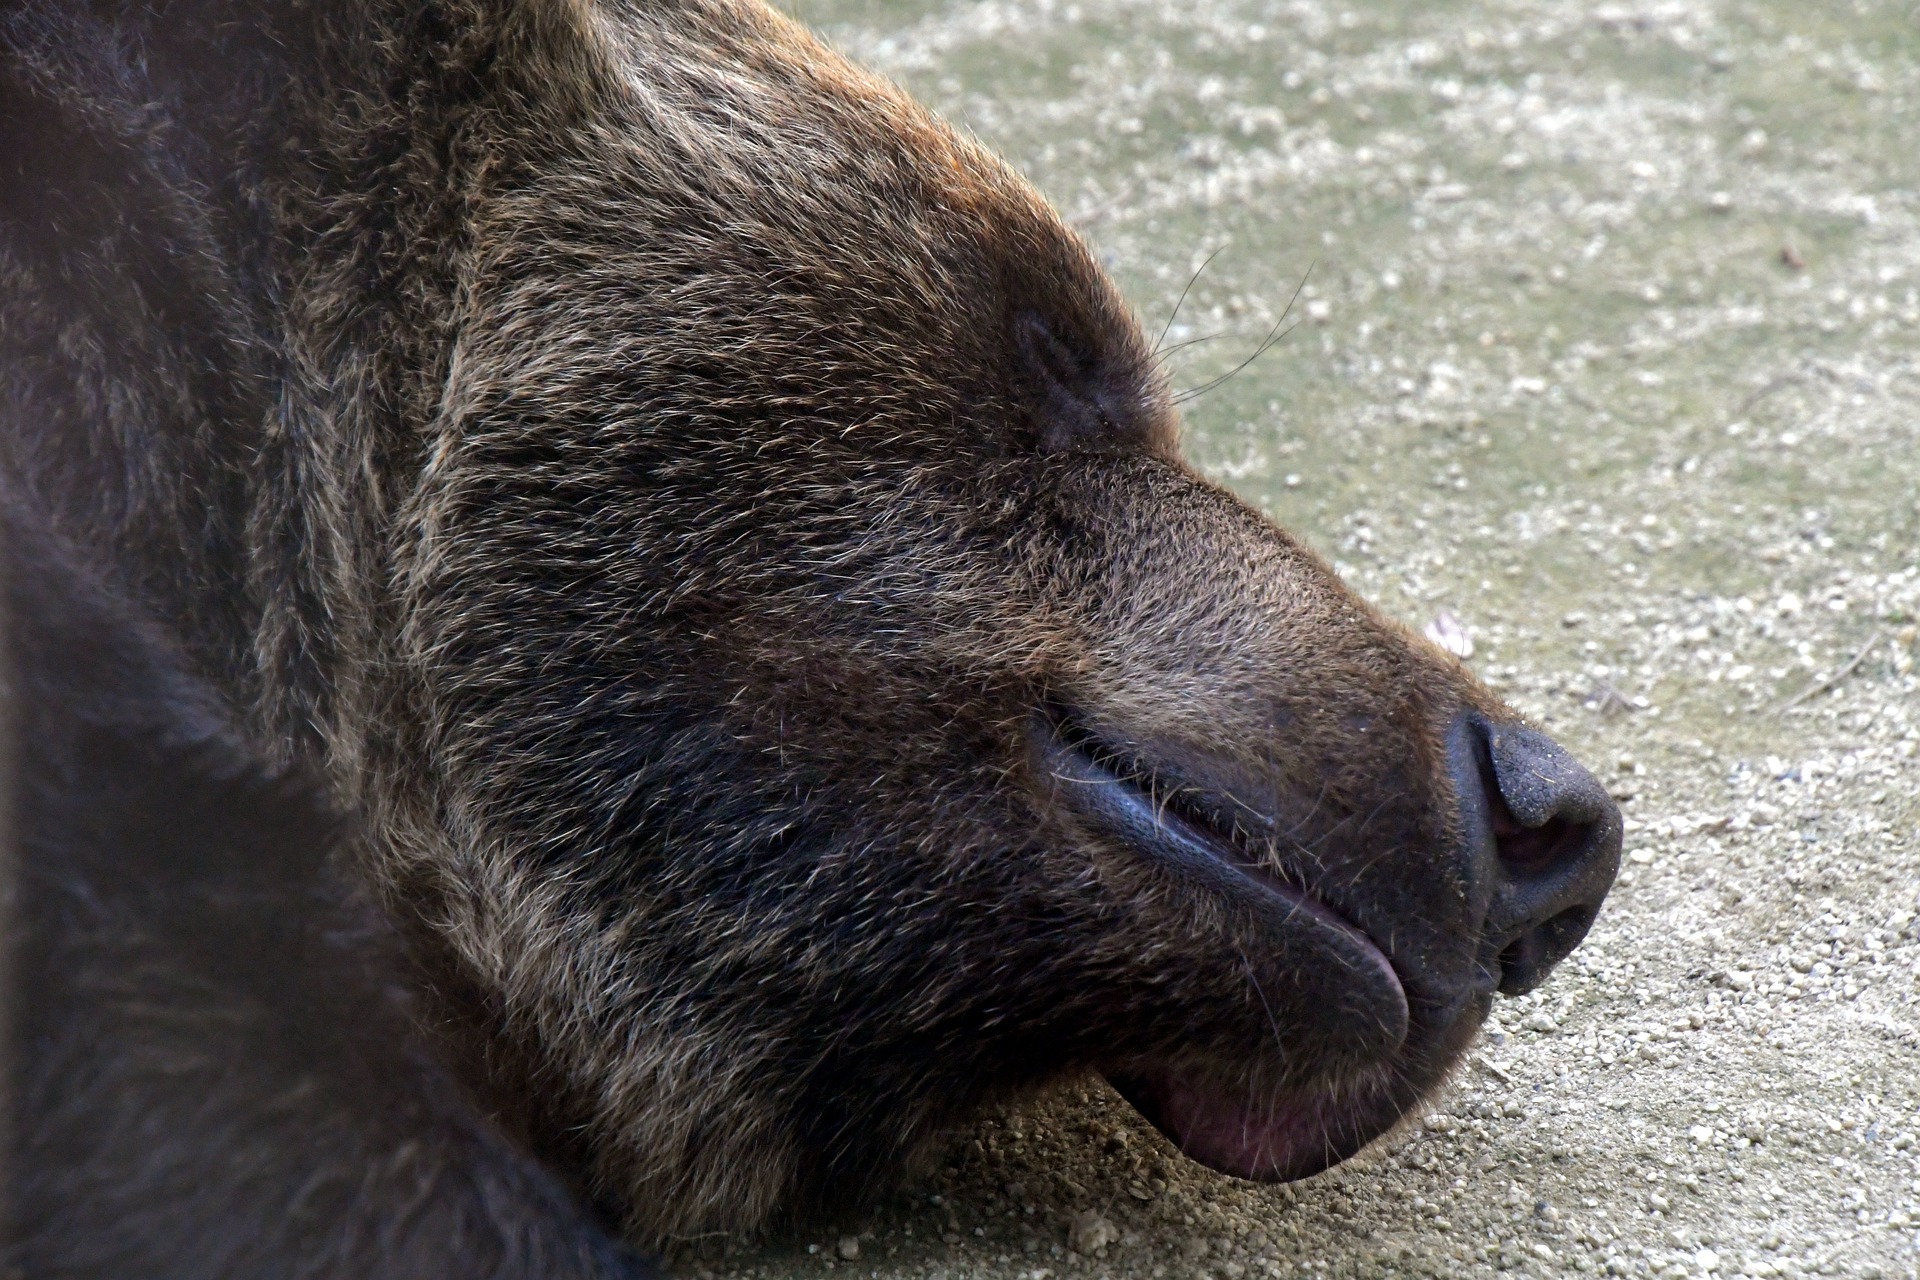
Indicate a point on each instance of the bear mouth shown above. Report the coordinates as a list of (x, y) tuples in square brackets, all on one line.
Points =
[(1221, 1119)]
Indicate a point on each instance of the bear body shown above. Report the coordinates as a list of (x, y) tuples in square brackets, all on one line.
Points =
[(724, 541)]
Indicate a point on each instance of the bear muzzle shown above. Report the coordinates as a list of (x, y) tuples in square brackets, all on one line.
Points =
[(1531, 842)]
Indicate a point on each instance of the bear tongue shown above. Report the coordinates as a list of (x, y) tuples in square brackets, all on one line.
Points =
[(1275, 1137)]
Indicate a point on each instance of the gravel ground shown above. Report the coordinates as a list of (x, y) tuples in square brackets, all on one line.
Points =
[(1611, 355)]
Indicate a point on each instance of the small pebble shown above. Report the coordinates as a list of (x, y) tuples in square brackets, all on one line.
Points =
[(1450, 634), (1089, 1233)]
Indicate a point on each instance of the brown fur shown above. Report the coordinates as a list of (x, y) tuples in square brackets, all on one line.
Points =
[(660, 473)]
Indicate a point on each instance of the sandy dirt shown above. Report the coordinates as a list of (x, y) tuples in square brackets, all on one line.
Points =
[(1610, 353)]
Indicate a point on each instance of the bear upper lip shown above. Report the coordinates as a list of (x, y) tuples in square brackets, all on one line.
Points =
[(1116, 793)]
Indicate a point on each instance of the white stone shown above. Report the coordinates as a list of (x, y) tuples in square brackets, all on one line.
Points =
[(1090, 1233)]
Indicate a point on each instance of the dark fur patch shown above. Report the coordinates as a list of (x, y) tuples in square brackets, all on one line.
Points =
[(215, 1070)]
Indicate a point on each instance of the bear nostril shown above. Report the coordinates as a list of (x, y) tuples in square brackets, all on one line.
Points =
[(1530, 850), (1553, 834)]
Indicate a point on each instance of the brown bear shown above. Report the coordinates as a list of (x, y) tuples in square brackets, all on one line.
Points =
[(725, 542)]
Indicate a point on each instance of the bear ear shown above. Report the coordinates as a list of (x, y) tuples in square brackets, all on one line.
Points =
[(1082, 402)]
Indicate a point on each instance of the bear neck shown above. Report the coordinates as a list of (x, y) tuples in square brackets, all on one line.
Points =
[(231, 247)]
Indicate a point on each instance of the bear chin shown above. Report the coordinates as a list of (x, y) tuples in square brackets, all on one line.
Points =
[(1261, 1135)]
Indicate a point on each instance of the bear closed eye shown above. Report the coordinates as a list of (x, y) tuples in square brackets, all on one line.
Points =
[(724, 540)]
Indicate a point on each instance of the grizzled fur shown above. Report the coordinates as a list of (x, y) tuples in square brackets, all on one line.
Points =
[(661, 478)]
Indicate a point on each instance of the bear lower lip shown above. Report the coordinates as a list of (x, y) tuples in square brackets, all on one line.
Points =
[(1274, 1136)]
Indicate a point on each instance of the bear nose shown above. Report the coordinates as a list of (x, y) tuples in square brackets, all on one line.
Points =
[(1546, 838)]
